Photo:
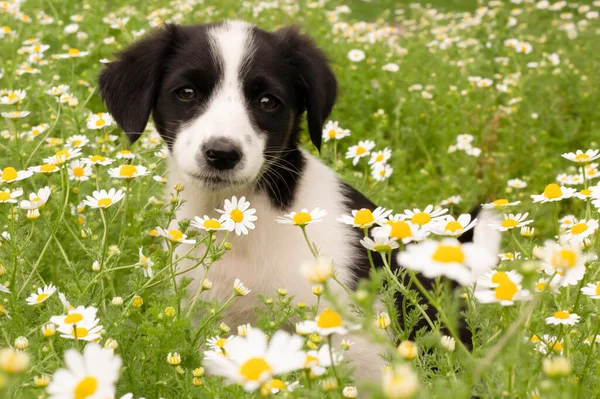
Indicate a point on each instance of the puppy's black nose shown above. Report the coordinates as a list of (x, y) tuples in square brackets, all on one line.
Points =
[(222, 154)]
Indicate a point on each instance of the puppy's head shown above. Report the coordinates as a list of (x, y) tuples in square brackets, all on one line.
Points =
[(226, 97)]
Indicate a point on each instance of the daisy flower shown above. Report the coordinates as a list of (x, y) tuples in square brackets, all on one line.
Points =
[(98, 160), (39, 129), (581, 157), (449, 226), (364, 218), (503, 287), (238, 216), (381, 244), (174, 235), (15, 114), (92, 374), (317, 271), (400, 382), (380, 172), (239, 288), (460, 262), (516, 183), (128, 171), (103, 199), (63, 156), (217, 344), (42, 295), (567, 221), (563, 317), (592, 290), (326, 323), (208, 223), (380, 157), (511, 221), (356, 55), (46, 168), (318, 361), (36, 200), (10, 174), (159, 179), (78, 141), (13, 97), (58, 90), (423, 218), (254, 360), (79, 323), (500, 204), (79, 171), (8, 195), (401, 230), (146, 264), (584, 194), (99, 120), (564, 259), (553, 192), (332, 131), (362, 149), (547, 343), (4, 289), (582, 229)]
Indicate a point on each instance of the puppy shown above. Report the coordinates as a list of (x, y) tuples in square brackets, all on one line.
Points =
[(228, 99)]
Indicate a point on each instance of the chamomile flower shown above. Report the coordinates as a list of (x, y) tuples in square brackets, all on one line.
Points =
[(45, 169), (13, 97), (511, 221), (63, 156), (42, 295), (254, 360), (566, 260), (238, 216), (317, 361), (98, 160), (15, 114), (145, 263), (103, 199), (449, 226), (10, 174), (380, 244), (317, 270), (356, 55), (581, 157), (332, 131), (563, 317), (174, 235), (400, 229), (58, 90), (9, 196), (128, 171), (584, 194), (401, 382), (36, 200), (460, 262), (516, 183), (92, 374), (592, 290), (553, 192), (582, 229), (4, 289), (159, 179), (380, 157), (501, 287), (239, 288), (381, 172), (37, 130), (302, 218), (79, 323), (217, 344), (500, 204), (79, 171), (125, 154), (78, 141), (326, 323), (362, 149), (424, 218), (207, 223), (364, 218), (99, 121)]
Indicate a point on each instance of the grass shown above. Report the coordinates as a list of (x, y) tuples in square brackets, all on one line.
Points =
[(61, 245)]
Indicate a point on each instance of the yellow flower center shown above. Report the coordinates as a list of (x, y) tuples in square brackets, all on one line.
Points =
[(212, 224), (332, 134), (448, 254), (453, 226), (379, 158), (36, 199), (77, 143), (509, 223), (100, 122), (364, 217), (556, 346), (535, 338), (579, 228), (506, 290), (509, 255), (382, 247), (400, 229), (62, 155), (360, 150), (500, 277), (500, 203), (582, 157), (562, 315), (86, 388), (125, 152), (236, 215), (78, 172), (4, 195), (73, 51), (12, 96), (302, 218), (421, 218), (176, 234), (277, 384), (540, 286), (128, 171), (47, 168), (221, 342), (329, 319), (254, 368), (585, 192), (73, 318), (552, 191), (9, 174), (597, 289), (564, 259), (35, 132), (311, 360), (41, 298), (80, 332), (105, 202)]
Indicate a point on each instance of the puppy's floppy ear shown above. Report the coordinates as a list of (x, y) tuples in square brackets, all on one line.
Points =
[(316, 81), (129, 85)]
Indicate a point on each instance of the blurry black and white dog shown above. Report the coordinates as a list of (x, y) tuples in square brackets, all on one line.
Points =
[(228, 99)]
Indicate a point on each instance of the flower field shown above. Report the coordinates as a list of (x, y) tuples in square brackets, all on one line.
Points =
[(442, 107)]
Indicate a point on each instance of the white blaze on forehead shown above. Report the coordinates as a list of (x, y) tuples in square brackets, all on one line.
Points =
[(232, 44)]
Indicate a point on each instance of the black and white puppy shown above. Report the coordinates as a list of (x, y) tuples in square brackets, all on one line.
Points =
[(228, 99)]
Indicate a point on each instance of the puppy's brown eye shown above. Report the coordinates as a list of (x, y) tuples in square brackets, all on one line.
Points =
[(185, 93), (268, 103)]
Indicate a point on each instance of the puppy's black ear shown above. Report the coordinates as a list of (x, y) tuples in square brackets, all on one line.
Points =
[(316, 81), (129, 85)]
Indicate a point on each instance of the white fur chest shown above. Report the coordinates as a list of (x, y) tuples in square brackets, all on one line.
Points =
[(270, 256)]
